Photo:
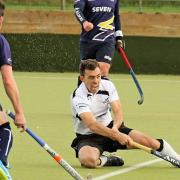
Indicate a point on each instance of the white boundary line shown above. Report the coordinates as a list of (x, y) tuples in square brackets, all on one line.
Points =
[(126, 170)]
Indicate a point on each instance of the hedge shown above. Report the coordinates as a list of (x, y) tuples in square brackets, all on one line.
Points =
[(60, 53)]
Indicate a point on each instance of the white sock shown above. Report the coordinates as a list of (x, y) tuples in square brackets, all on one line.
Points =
[(168, 150), (103, 160)]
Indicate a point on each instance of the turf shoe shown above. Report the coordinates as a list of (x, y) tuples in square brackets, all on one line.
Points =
[(111, 160), (4, 173)]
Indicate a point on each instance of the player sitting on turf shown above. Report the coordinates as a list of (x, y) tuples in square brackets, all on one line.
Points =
[(95, 129)]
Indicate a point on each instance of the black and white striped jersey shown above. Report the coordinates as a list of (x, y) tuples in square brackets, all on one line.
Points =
[(98, 104)]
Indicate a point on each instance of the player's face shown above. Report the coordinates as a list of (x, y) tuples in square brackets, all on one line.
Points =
[(92, 79)]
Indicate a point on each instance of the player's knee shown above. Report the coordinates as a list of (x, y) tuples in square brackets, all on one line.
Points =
[(89, 156), (104, 67), (88, 161), (104, 71)]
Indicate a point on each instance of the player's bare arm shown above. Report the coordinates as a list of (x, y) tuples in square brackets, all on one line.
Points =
[(117, 113), (98, 128), (13, 93)]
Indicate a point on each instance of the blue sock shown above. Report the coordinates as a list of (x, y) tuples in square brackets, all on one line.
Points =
[(5, 171)]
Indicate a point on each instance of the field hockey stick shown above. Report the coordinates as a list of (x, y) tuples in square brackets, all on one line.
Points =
[(53, 153), (140, 101), (170, 159)]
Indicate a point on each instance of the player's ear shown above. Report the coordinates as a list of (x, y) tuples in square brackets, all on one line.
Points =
[(82, 78), (2, 18)]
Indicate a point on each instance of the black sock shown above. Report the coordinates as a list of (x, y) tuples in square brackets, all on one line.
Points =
[(1, 109), (161, 145)]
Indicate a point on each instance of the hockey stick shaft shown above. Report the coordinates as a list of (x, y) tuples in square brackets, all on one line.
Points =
[(170, 159), (53, 153), (140, 101), (125, 58)]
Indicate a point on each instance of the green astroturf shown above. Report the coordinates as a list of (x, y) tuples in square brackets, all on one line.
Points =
[(45, 97)]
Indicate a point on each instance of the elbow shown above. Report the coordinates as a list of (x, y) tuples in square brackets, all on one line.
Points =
[(9, 86), (7, 83)]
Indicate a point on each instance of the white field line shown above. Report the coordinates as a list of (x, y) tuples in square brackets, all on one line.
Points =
[(113, 79), (126, 170)]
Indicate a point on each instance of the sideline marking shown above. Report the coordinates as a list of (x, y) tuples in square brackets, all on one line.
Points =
[(126, 170)]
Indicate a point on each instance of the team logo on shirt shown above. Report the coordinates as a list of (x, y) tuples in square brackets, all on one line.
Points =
[(106, 101), (81, 105), (106, 25), (9, 60), (101, 9), (107, 57), (106, 29)]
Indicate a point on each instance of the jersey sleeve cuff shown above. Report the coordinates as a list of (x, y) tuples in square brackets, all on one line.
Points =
[(118, 33)]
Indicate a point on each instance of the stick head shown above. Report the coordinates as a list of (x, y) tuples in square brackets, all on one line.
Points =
[(140, 101)]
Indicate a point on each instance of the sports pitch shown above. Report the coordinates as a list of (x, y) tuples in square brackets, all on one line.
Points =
[(46, 100)]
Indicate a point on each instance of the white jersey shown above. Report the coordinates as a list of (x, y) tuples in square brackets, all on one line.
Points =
[(98, 104)]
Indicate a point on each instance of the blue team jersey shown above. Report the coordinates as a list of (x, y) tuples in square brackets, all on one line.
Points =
[(5, 52), (104, 14)]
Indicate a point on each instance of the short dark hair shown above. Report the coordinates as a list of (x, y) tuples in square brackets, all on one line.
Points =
[(2, 8), (89, 64)]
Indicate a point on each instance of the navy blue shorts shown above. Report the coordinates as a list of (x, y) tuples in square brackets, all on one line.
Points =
[(6, 141), (102, 52), (100, 142)]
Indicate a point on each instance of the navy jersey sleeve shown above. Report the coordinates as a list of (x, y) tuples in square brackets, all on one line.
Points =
[(79, 6), (117, 21), (5, 52), (117, 17)]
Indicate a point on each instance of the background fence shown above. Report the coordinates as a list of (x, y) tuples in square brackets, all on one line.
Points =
[(68, 4)]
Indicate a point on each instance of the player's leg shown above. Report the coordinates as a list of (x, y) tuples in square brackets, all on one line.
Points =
[(144, 139), (5, 142), (104, 56), (89, 156), (87, 51), (89, 151), (157, 144), (104, 67)]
